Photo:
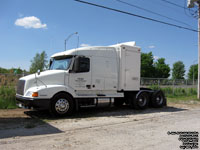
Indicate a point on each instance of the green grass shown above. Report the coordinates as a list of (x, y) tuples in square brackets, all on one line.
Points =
[(7, 95), (184, 99), (7, 98), (178, 94)]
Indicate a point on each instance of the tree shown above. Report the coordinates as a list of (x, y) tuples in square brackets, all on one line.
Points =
[(12, 70), (39, 62), (151, 69), (3, 70), (15, 71), (178, 70), (162, 70), (147, 68), (193, 71)]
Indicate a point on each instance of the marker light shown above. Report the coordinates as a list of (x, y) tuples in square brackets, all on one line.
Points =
[(35, 94)]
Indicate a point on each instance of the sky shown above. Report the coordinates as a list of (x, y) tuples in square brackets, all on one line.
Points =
[(28, 27)]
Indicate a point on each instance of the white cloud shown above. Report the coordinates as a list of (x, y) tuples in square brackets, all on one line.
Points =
[(84, 45), (151, 46), (156, 57), (30, 22)]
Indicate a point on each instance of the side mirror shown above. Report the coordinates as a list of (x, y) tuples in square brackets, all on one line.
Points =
[(50, 62)]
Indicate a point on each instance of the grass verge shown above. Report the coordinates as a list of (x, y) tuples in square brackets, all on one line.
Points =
[(179, 94), (7, 98), (184, 99), (173, 92), (7, 95)]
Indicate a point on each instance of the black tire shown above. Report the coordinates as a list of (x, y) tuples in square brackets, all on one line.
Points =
[(62, 105), (141, 101), (118, 102), (158, 99)]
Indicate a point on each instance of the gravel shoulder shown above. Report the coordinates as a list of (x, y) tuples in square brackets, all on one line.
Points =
[(102, 128)]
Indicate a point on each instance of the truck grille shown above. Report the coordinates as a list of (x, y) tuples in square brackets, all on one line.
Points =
[(20, 87)]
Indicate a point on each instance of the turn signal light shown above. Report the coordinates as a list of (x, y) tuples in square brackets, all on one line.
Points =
[(35, 94)]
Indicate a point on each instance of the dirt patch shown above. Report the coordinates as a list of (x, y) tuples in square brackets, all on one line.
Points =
[(17, 118), (25, 118), (27, 113), (185, 104), (13, 113), (102, 128)]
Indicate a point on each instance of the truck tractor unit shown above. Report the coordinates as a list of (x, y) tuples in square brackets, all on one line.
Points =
[(83, 76)]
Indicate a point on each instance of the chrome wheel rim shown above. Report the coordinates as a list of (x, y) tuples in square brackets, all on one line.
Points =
[(159, 100), (62, 106), (142, 101)]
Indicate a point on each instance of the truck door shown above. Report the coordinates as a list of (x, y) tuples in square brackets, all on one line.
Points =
[(80, 76)]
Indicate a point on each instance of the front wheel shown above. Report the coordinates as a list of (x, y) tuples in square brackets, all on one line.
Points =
[(62, 105)]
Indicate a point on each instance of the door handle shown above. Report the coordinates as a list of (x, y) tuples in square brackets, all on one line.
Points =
[(88, 86)]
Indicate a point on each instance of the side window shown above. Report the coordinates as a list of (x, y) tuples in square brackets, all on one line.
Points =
[(84, 64), (81, 64)]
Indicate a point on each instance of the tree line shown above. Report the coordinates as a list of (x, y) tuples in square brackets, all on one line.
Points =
[(39, 62), (150, 68), (12, 71)]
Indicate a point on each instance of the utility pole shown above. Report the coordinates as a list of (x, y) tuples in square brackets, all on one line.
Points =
[(198, 91), (191, 4)]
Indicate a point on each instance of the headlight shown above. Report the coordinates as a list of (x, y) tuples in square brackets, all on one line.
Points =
[(29, 93), (32, 94)]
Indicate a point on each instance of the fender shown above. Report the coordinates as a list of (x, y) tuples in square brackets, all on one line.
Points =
[(47, 92), (144, 90)]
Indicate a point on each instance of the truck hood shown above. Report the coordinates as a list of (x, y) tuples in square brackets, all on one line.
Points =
[(49, 77)]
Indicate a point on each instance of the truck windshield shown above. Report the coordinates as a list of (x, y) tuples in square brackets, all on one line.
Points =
[(60, 63)]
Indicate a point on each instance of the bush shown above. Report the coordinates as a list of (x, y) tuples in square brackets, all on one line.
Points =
[(168, 91), (7, 97), (154, 87)]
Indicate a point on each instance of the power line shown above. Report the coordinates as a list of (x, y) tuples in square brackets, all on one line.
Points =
[(166, 5), (135, 15), (174, 4), (132, 5), (166, 1), (177, 5)]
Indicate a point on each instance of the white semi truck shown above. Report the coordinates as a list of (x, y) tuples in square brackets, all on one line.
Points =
[(82, 76)]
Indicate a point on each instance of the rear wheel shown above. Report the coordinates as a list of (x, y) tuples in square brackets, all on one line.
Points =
[(62, 105), (141, 101), (158, 99)]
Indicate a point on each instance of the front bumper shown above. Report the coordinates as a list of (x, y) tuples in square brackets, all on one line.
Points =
[(35, 103)]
